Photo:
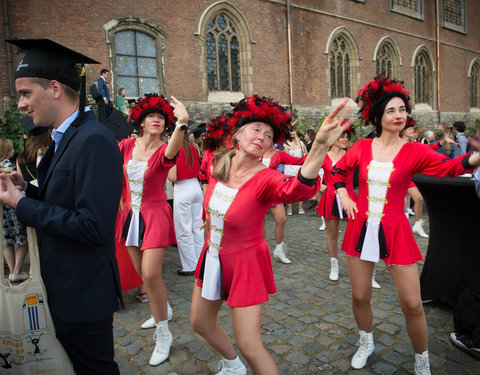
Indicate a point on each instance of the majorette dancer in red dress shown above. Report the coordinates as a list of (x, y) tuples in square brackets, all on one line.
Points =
[(378, 228), (272, 159), (330, 206), (146, 216), (235, 263), (218, 137)]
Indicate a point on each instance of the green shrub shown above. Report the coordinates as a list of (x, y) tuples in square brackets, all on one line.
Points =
[(11, 128)]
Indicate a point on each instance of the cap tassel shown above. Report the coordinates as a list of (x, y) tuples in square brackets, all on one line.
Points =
[(83, 90)]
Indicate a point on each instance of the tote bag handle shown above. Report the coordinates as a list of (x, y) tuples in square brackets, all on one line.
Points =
[(32, 250)]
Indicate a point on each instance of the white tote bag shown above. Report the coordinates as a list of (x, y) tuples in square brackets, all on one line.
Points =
[(28, 344)]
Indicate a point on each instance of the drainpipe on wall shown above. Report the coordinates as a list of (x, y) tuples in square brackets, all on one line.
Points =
[(289, 48), (437, 21), (9, 48)]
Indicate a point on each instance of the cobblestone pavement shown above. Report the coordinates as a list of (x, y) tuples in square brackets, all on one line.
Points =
[(308, 325)]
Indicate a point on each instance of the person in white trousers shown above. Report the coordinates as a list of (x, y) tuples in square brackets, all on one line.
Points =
[(187, 206)]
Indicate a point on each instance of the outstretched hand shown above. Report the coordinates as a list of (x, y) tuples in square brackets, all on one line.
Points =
[(334, 125), (179, 110)]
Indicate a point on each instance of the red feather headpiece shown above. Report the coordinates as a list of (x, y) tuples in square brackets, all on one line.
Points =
[(377, 90), (151, 103), (218, 131), (254, 108), (409, 123)]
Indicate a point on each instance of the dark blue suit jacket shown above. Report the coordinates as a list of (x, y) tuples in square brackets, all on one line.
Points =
[(102, 87), (74, 211)]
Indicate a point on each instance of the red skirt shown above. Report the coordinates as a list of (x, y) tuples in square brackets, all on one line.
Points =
[(402, 249), (247, 276), (325, 206), (129, 278)]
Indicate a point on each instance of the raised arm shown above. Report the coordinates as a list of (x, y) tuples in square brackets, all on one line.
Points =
[(331, 129), (175, 141)]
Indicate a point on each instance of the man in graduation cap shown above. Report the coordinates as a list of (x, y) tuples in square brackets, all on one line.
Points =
[(74, 206)]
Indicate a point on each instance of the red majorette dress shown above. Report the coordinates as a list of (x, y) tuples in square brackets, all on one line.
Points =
[(281, 157), (380, 230), (147, 220), (206, 166), (235, 263), (330, 206), (129, 278)]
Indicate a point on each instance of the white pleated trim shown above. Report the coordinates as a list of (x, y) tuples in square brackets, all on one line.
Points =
[(378, 177), (220, 201), (133, 232)]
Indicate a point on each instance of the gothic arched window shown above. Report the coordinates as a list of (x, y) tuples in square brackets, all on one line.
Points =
[(475, 86), (423, 78), (340, 68), (223, 55), (384, 62)]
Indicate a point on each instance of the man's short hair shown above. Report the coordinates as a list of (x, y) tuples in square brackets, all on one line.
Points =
[(70, 93), (459, 126), (103, 71)]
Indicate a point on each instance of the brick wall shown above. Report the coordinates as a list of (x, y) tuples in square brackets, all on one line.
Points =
[(80, 26)]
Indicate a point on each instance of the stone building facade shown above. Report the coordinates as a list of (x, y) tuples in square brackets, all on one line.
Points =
[(304, 53)]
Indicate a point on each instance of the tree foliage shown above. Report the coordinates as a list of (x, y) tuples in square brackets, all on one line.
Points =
[(11, 128)]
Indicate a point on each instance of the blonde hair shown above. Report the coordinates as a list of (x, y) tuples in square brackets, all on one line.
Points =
[(223, 158), (6, 148)]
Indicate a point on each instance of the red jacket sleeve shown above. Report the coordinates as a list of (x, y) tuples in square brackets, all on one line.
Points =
[(275, 187), (435, 146), (347, 164), (432, 163), (281, 157), (204, 172)]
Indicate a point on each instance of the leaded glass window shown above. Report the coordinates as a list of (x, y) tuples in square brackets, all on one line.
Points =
[(340, 79), (384, 62), (223, 55), (454, 14), (136, 63), (475, 86), (409, 7), (422, 94)]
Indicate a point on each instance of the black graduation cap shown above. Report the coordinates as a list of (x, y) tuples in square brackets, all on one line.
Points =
[(28, 124), (199, 130), (45, 58), (117, 123)]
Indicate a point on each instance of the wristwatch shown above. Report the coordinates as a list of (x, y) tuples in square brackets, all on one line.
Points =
[(181, 126)]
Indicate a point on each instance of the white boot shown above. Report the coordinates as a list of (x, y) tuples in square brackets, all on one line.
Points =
[(280, 253), (231, 367), (150, 322), (323, 226), (418, 229), (364, 351), (422, 366), (375, 285), (163, 341), (333, 269)]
